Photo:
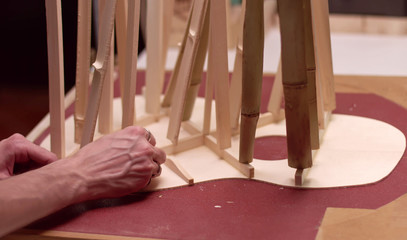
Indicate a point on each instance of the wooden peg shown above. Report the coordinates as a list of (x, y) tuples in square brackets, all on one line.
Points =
[(252, 69), (129, 90), (295, 81), (179, 170), (185, 73), (100, 67), (56, 76), (82, 65), (218, 70)]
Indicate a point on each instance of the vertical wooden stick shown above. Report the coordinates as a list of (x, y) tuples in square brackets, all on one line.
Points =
[(235, 92), (197, 71), (131, 64), (218, 70), (174, 76), (253, 44), (56, 76), (82, 65), (185, 73), (106, 111), (276, 95), (121, 35), (295, 83), (323, 50), (100, 67), (310, 64), (154, 46)]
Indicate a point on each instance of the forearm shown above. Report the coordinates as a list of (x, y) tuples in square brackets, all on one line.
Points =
[(36, 194)]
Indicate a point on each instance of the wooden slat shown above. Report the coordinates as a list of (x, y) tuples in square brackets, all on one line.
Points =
[(129, 91), (323, 50), (155, 58), (56, 76), (191, 47), (276, 95), (121, 36), (100, 67), (82, 65), (218, 70)]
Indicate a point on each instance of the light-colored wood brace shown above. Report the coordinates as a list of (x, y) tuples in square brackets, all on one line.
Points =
[(56, 76), (252, 69), (129, 90), (121, 36), (186, 66), (218, 70), (295, 83), (99, 67), (235, 91), (322, 38), (105, 125), (276, 96), (82, 65), (197, 71), (174, 76)]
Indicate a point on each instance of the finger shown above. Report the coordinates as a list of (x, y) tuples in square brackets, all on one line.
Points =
[(27, 150), (150, 137), (159, 155), (157, 171)]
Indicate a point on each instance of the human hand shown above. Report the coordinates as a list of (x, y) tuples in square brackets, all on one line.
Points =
[(17, 152), (117, 164)]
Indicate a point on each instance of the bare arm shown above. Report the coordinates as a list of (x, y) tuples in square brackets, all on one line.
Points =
[(112, 166)]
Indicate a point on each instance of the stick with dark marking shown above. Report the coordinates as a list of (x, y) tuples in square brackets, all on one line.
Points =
[(252, 72), (295, 83)]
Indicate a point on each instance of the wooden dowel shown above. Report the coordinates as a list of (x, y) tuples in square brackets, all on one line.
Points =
[(235, 92), (252, 69), (129, 91), (121, 36), (100, 67), (56, 76), (185, 73), (218, 70), (154, 47), (310, 64), (295, 83), (82, 65)]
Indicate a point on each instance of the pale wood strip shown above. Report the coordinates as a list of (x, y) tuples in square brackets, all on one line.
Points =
[(154, 47), (129, 91), (218, 70), (276, 96), (185, 73), (82, 65), (320, 11), (100, 67), (121, 36), (177, 168), (61, 235), (56, 76), (184, 144)]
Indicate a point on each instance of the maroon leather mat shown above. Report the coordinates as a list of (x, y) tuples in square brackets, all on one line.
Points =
[(238, 208)]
